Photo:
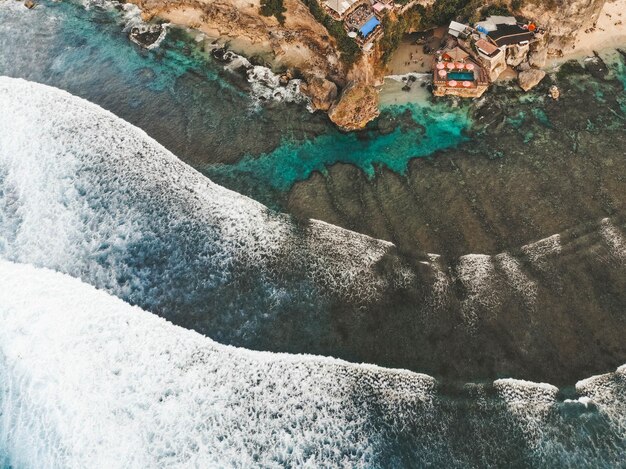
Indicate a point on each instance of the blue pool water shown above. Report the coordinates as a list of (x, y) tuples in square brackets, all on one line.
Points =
[(461, 76)]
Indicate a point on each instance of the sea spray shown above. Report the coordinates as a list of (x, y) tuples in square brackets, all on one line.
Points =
[(141, 392)]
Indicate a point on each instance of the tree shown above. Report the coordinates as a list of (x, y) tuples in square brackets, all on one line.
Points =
[(274, 8)]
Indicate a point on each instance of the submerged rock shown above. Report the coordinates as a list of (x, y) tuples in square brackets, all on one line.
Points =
[(596, 66), (530, 78), (554, 92)]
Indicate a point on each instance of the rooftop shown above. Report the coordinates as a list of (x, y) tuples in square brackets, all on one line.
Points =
[(507, 34), (487, 48), (340, 6), (491, 23), (456, 28), (456, 54)]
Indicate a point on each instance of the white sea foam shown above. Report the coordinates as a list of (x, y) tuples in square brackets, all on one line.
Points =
[(477, 274), (89, 381), (530, 403), (404, 78), (608, 392), (87, 194), (540, 252), (518, 280), (264, 83), (614, 240)]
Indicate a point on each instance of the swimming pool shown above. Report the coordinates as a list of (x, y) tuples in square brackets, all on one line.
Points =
[(461, 76)]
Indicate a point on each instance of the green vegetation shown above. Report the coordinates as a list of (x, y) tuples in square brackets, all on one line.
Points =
[(274, 8), (394, 28), (443, 11), (350, 51)]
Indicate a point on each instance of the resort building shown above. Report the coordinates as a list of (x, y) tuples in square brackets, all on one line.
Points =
[(477, 56), (362, 24), (458, 30), (361, 18), (456, 74), (492, 58), (338, 9), (510, 36)]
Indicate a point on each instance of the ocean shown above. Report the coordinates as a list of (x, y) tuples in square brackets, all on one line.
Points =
[(466, 242)]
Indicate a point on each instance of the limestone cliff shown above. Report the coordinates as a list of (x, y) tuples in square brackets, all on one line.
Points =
[(358, 106), (303, 44), (300, 43), (563, 20)]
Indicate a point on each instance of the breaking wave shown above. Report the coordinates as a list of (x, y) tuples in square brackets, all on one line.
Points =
[(89, 195), (84, 193), (89, 381), (265, 85)]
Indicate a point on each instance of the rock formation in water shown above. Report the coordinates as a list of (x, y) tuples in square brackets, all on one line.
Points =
[(321, 92), (530, 78), (358, 105)]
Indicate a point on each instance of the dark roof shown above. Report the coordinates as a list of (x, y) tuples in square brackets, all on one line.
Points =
[(510, 34)]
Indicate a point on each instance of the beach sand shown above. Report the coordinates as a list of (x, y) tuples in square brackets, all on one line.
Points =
[(410, 57), (609, 33)]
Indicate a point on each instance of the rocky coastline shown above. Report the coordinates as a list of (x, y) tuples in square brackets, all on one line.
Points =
[(348, 92)]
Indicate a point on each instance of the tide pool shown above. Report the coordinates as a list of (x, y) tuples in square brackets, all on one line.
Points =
[(416, 130)]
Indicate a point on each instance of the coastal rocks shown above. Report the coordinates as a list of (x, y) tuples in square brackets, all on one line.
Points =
[(530, 78), (554, 92), (147, 36), (516, 54), (538, 58), (357, 106), (538, 52), (320, 91), (596, 66), (30, 4)]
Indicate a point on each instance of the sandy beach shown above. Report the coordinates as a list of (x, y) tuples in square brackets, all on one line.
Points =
[(410, 56), (609, 33)]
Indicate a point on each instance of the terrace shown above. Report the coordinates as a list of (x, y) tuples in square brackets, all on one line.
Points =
[(454, 73), (362, 24)]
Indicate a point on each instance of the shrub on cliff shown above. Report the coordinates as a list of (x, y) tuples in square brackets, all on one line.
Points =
[(395, 28), (350, 51), (274, 8)]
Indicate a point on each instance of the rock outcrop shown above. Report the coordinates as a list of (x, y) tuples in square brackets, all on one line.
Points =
[(538, 58), (530, 78), (516, 54), (564, 21), (321, 92), (300, 43), (357, 106)]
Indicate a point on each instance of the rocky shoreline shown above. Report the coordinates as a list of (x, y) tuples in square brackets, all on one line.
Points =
[(302, 47)]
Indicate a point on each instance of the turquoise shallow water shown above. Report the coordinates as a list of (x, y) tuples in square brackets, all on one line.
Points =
[(204, 114), (432, 127)]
